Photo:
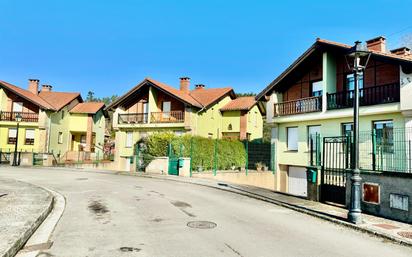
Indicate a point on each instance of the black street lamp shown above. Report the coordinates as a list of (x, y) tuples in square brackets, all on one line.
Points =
[(18, 119), (360, 57)]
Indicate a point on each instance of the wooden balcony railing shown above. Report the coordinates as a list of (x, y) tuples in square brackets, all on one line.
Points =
[(25, 116), (304, 105), (167, 117), (389, 93), (133, 118)]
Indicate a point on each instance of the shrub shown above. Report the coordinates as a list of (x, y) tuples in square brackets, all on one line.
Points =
[(229, 154)]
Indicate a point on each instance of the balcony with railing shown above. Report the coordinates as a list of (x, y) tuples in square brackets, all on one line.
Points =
[(389, 93), (155, 117), (25, 116), (133, 118), (299, 106), (167, 117)]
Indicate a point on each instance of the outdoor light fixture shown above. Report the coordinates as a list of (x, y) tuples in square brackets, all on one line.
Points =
[(360, 58), (18, 119)]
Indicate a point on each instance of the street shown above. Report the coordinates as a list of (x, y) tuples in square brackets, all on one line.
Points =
[(116, 215)]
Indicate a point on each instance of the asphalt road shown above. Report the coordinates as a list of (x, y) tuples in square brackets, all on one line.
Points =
[(114, 215)]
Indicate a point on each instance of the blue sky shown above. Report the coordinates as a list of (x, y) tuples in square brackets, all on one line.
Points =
[(109, 46)]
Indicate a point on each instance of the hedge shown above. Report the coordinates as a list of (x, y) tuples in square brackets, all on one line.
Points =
[(230, 153)]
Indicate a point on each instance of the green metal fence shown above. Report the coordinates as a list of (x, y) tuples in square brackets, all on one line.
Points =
[(385, 150)]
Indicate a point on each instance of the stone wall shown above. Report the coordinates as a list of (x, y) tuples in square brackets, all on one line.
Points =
[(386, 194)]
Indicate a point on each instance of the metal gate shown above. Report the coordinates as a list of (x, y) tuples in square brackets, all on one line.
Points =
[(336, 162), (173, 161)]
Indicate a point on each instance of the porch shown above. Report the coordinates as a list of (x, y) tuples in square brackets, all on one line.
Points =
[(25, 116), (155, 117)]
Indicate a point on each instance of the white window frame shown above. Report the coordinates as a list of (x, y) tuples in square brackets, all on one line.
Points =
[(10, 134), (313, 134), (60, 138), (292, 133)]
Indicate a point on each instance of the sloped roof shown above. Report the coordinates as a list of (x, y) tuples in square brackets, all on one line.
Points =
[(200, 98), (240, 104), (58, 99), (207, 96), (88, 107), (29, 96), (323, 42)]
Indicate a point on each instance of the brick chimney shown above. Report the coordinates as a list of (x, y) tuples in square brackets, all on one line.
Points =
[(185, 84), (401, 51), (377, 44), (199, 86), (46, 88), (34, 86)]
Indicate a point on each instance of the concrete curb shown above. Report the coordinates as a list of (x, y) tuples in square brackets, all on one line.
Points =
[(18, 244), (301, 209)]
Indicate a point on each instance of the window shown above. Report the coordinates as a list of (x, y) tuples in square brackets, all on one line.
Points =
[(350, 82), (179, 133), (229, 127), (29, 140), (17, 107), (62, 114), (12, 136), (129, 139), (210, 135), (317, 87), (292, 136), (313, 131), (60, 138), (256, 119), (384, 135), (347, 129)]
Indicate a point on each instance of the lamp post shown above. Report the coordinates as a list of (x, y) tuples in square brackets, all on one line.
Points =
[(18, 119), (358, 54)]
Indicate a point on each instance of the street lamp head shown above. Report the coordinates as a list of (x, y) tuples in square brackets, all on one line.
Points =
[(18, 117), (358, 56)]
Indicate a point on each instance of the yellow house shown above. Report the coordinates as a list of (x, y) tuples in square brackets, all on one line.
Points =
[(57, 122), (152, 106), (314, 97)]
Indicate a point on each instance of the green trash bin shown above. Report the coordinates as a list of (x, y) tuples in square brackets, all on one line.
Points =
[(312, 174)]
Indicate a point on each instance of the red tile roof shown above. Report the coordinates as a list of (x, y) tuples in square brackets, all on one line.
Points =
[(58, 99), (240, 104), (207, 96), (29, 96), (88, 107), (200, 98), (312, 48)]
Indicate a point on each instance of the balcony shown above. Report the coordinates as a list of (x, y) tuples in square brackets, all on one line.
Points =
[(155, 117), (303, 105), (389, 93), (133, 118), (26, 116), (167, 117)]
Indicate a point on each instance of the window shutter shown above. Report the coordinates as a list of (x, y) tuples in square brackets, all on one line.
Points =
[(29, 133), (12, 132)]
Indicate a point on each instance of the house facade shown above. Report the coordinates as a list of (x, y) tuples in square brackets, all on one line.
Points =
[(153, 106), (57, 122), (314, 97)]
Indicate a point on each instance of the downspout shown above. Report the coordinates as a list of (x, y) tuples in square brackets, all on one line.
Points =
[(48, 133)]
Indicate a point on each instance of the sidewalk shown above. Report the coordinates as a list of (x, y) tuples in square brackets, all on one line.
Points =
[(388, 229), (23, 207)]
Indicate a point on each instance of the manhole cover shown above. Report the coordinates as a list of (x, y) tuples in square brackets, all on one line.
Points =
[(201, 224), (406, 234)]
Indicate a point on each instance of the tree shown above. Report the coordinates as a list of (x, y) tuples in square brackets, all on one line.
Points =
[(245, 94), (90, 97)]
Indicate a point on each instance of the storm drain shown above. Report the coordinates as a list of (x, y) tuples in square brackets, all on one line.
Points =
[(81, 178), (406, 234), (201, 224)]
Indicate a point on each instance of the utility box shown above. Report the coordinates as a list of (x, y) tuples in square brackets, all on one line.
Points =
[(312, 173)]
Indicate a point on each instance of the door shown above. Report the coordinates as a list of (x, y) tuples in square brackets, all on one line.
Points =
[(166, 106), (173, 161), (298, 184)]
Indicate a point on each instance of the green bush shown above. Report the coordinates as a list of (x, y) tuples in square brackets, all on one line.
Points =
[(230, 154)]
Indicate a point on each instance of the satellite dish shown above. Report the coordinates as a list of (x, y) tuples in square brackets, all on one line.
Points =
[(407, 69)]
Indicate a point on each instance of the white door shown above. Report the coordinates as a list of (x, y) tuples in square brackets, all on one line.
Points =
[(166, 109), (298, 184)]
